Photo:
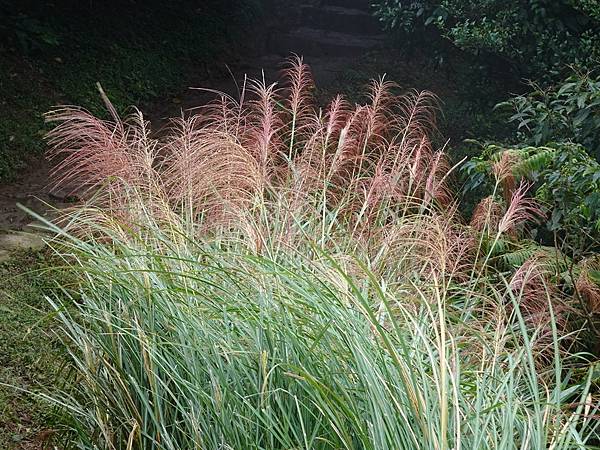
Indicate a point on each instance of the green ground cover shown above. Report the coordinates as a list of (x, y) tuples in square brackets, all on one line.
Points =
[(31, 354)]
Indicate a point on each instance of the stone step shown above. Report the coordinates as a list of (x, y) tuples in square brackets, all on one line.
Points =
[(315, 42), (363, 5), (340, 19)]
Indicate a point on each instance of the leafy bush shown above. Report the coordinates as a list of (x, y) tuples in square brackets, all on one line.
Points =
[(540, 37), (564, 178), (562, 124), (273, 275), (568, 112), (406, 16)]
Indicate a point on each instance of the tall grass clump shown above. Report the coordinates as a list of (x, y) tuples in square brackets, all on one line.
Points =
[(275, 275)]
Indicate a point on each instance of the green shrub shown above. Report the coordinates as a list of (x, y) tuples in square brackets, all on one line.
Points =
[(568, 112), (405, 16), (563, 177)]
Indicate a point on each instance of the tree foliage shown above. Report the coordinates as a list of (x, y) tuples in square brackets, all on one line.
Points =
[(539, 37), (569, 111)]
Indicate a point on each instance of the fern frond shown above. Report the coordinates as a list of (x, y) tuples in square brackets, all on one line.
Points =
[(533, 160), (551, 258)]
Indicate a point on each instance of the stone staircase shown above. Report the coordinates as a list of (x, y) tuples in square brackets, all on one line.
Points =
[(332, 28)]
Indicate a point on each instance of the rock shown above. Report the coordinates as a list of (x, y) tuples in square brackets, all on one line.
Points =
[(10, 242)]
